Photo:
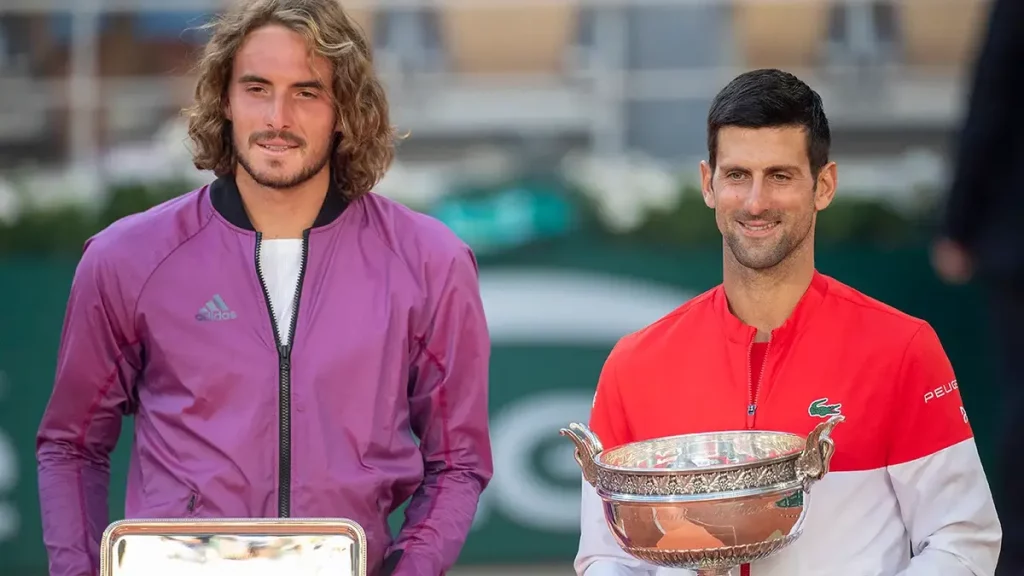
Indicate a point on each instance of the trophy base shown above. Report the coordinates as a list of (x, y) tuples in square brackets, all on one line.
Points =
[(711, 561)]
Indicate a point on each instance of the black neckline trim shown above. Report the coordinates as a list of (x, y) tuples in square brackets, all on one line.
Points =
[(227, 201)]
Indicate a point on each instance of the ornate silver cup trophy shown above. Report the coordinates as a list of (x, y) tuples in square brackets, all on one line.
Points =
[(706, 502), (242, 547)]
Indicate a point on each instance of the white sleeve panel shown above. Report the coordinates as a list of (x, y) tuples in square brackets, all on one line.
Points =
[(599, 554), (947, 508)]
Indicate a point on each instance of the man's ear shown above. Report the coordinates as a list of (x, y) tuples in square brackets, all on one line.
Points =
[(707, 189), (825, 191)]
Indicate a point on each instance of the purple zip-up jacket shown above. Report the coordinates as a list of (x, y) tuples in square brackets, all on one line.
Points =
[(389, 345)]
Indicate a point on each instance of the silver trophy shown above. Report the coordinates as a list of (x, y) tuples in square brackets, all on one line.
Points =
[(239, 547), (706, 502)]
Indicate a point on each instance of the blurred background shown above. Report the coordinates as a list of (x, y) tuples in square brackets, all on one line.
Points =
[(559, 138)]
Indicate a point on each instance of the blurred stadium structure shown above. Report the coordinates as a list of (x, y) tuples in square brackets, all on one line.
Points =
[(611, 95), (92, 87)]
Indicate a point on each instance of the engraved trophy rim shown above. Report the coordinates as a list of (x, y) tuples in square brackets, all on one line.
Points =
[(719, 496), (791, 453), (282, 527)]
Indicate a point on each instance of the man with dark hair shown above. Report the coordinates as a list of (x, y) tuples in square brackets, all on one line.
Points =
[(290, 343), (780, 346)]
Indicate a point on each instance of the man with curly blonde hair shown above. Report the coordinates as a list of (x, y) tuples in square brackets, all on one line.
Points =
[(289, 343)]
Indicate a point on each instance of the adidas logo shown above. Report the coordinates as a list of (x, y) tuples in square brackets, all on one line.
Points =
[(215, 310)]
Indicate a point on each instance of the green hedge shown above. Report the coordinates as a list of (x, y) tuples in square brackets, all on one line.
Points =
[(65, 230), (688, 223)]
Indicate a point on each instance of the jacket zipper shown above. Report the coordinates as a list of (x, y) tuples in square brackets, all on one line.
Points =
[(754, 393), (284, 359)]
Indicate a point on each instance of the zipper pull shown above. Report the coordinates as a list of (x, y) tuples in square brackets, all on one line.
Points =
[(751, 410)]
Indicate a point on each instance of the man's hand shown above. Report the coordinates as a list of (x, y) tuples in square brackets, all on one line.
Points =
[(952, 261)]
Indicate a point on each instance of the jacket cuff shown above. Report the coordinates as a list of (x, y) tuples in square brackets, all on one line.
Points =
[(391, 563)]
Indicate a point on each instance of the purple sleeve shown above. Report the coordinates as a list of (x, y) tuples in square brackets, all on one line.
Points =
[(95, 369), (448, 405)]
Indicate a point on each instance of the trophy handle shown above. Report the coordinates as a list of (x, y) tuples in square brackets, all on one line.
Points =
[(812, 465), (588, 446)]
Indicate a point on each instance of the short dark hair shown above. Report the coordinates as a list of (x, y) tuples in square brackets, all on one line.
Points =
[(771, 98)]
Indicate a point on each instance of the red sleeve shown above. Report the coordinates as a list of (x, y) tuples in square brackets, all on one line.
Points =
[(607, 417), (927, 414)]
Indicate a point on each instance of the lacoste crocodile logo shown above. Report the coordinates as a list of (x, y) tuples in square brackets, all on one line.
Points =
[(820, 408)]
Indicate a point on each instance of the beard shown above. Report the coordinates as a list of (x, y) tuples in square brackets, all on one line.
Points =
[(282, 181), (759, 255)]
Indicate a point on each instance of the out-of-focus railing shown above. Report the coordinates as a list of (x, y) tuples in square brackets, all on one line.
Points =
[(89, 74)]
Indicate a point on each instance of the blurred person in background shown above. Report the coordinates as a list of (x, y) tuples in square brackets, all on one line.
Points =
[(289, 343), (983, 238), (780, 346)]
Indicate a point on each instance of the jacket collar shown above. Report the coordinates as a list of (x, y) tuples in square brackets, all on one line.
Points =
[(227, 201), (738, 332)]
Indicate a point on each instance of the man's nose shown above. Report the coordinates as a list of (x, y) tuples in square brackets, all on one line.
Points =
[(278, 114), (757, 197)]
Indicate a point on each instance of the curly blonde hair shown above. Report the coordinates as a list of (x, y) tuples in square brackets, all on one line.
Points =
[(366, 147)]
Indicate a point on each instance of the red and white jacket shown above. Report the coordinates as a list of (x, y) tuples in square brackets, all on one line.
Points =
[(906, 494)]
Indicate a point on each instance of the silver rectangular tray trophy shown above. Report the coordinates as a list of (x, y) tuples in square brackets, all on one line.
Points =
[(233, 547), (706, 502)]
